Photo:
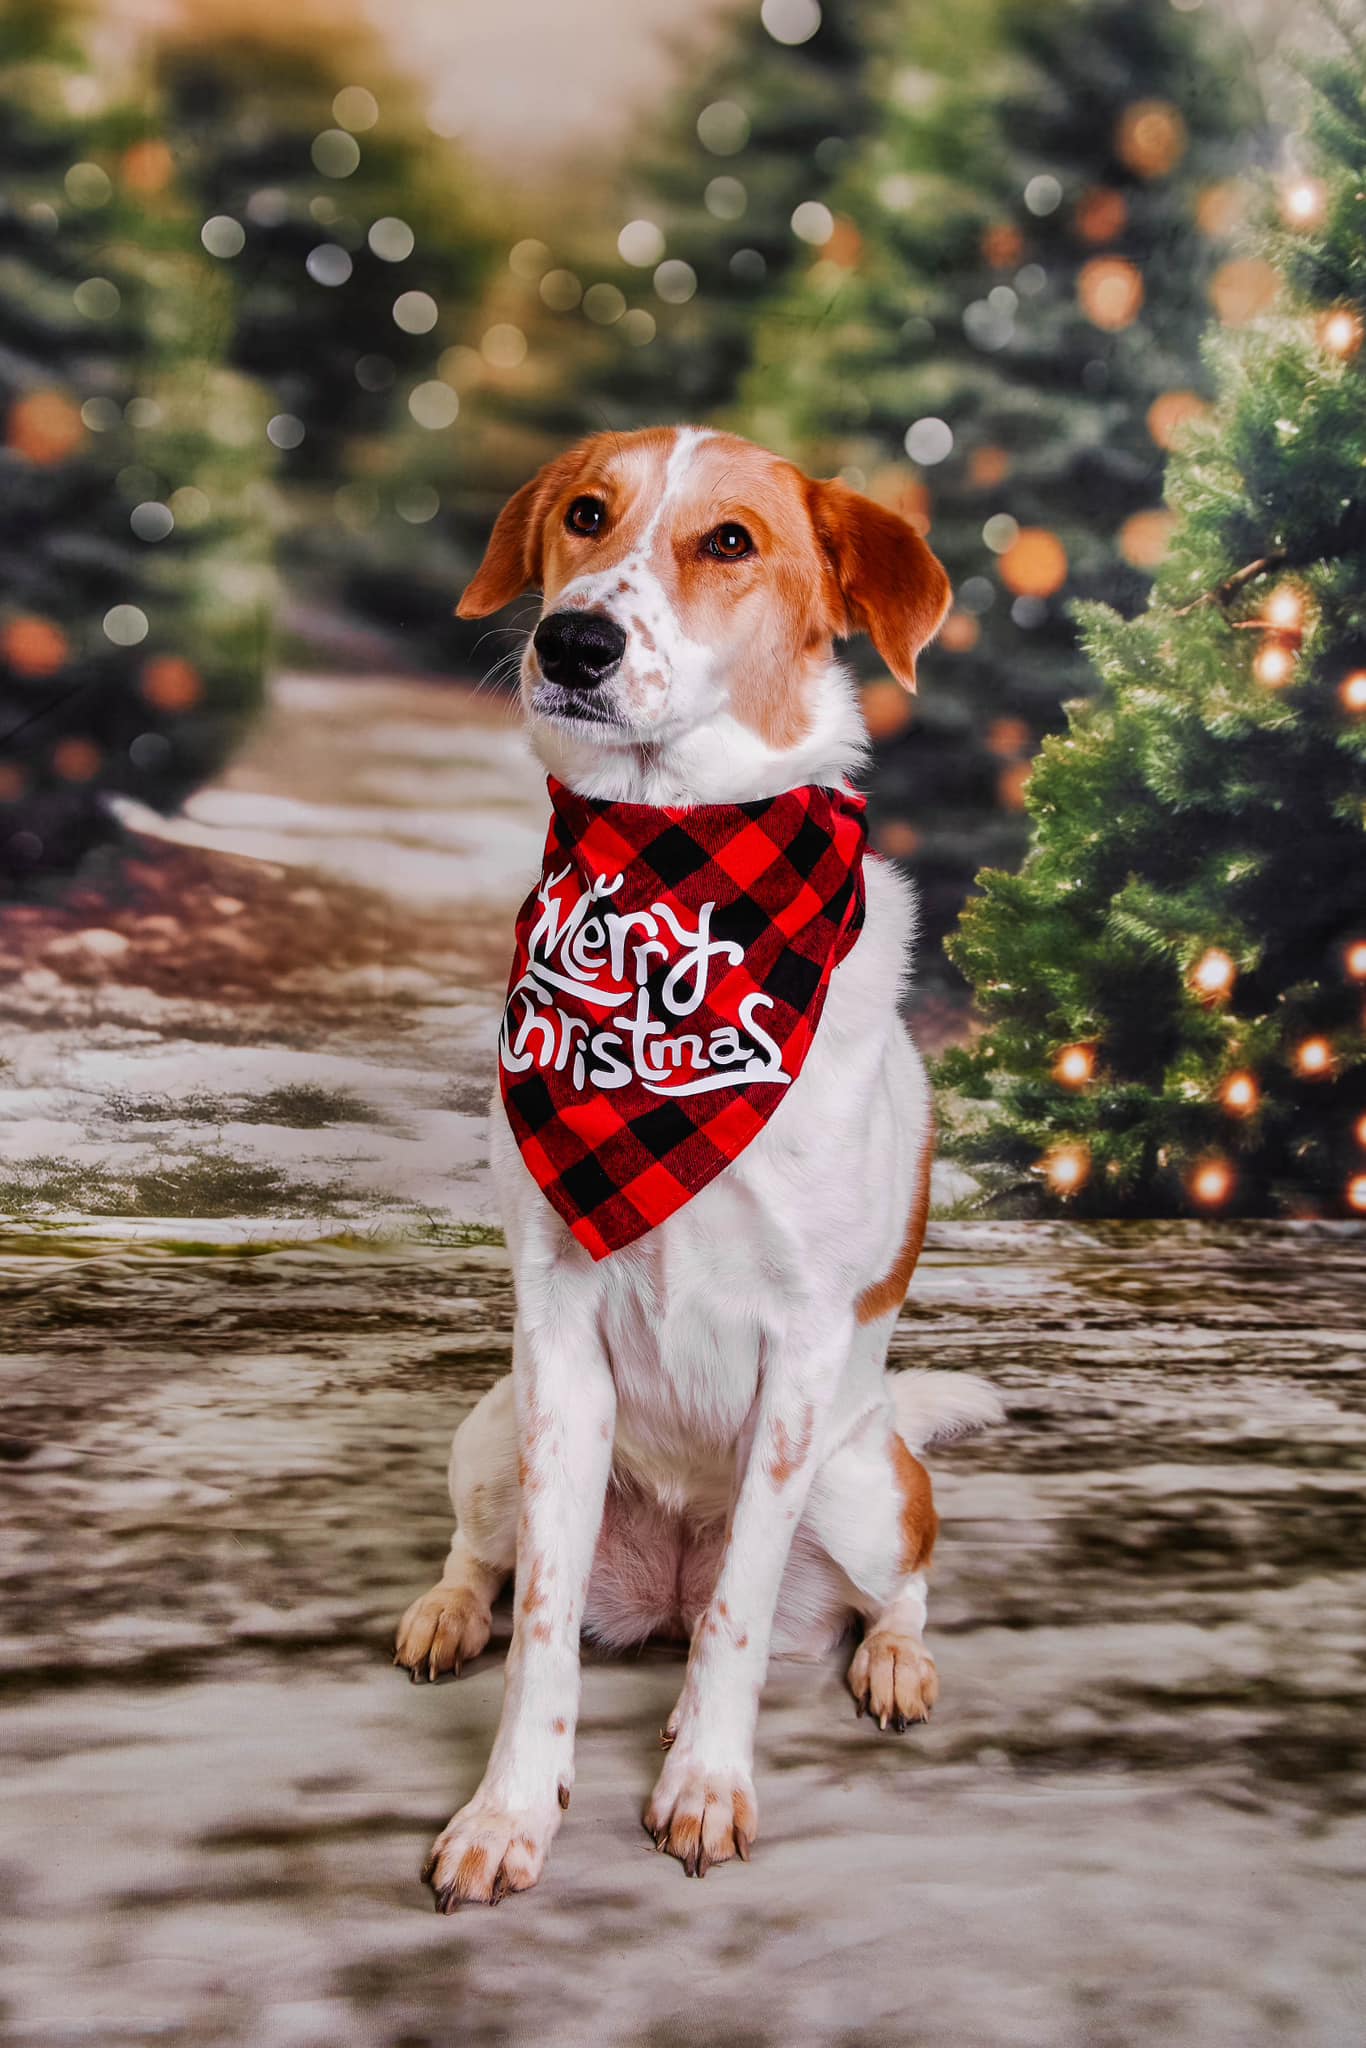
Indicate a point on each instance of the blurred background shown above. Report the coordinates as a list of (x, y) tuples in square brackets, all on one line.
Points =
[(291, 299)]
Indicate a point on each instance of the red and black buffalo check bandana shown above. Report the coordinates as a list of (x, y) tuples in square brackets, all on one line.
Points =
[(671, 970)]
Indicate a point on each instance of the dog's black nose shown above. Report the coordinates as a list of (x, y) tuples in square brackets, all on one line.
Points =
[(578, 649)]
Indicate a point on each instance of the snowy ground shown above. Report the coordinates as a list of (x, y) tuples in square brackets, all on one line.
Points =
[(278, 1020), (1138, 1816)]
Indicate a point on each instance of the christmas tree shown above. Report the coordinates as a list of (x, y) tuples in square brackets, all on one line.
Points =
[(346, 230), (133, 511), (1001, 338), (1173, 985)]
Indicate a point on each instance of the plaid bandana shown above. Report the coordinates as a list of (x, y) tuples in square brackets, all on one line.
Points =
[(670, 972)]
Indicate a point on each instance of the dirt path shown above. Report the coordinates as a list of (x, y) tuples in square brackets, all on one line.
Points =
[(1138, 1815)]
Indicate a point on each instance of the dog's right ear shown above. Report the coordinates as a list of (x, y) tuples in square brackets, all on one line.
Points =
[(513, 560)]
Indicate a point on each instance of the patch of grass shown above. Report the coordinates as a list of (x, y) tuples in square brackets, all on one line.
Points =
[(208, 1184), (306, 1106), (299, 1106), (456, 1236), (199, 1108)]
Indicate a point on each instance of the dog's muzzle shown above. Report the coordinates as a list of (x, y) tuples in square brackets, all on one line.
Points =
[(579, 650)]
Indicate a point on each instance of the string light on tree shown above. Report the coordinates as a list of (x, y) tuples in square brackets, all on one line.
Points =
[(1356, 959), (1356, 1193), (1303, 203), (1285, 611), (1240, 1094), (1341, 331), (1212, 1183), (1313, 1058), (1359, 1133), (1074, 1066), (1274, 663), (1352, 691), (1213, 974), (1067, 1168)]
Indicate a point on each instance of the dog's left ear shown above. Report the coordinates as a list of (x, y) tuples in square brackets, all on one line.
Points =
[(885, 582), (513, 558)]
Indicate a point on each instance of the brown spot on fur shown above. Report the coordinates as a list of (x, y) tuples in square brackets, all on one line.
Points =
[(721, 1607), (559, 1726), (789, 1452), (644, 635), (472, 1876), (742, 1642), (532, 1596), (888, 1293), (541, 1632), (919, 1522), (562, 1794)]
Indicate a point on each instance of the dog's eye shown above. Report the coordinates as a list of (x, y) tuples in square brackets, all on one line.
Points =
[(730, 542), (586, 515)]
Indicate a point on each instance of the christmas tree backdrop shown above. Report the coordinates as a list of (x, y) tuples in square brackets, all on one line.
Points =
[(1173, 986), (135, 517), (1001, 336)]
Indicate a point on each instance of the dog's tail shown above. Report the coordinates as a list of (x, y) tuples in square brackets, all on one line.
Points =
[(936, 1407)]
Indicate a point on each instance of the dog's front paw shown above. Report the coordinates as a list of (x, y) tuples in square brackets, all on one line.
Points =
[(893, 1678), (702, 1815), (487, 1852), (441, 1631)]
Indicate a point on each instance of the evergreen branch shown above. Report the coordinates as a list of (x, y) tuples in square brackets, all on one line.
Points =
[(1231, 585)]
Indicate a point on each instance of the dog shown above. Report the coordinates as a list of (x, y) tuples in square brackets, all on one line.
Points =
[(699, 1436)]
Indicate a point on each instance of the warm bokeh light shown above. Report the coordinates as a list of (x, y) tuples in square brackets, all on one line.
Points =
[(1002, 246), (1352, 690), (1035, 563), (1240, 1093), (171, 683), (147, 167), (960, 632), (1340, 332), (1303, 202), (1007, 736), (897, 838), (1219, 209), (1242, 289), (1066, 1168), (1110, 292), (1145, 537), (988, 467), (1313, 1057), (1151, 138), (1074, 1066), (1356, 1192), (44, 426), (34, 647), (1012, 785), (1360, 1131), (1274, 664), (1213, 973), (1168, 414), (887, 708), (1212, 1183), (76, 760), (1356, 959), (1285, 611), (1101, 215)]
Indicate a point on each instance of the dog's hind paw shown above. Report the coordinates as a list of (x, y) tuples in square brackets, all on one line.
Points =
[(893, 1678), (442, 1631)]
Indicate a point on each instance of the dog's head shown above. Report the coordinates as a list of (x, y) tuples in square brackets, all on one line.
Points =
[(692, 586)]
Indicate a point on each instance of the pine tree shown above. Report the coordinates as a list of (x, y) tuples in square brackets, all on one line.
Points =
[(1173, 985), (133, 508), (641, 306), (1002, 340), (355, 243)]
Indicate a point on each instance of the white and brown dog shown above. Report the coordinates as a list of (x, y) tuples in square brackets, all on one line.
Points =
[(699, 1436)]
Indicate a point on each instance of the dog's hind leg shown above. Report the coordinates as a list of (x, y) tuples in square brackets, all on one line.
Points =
[(445, 1628), (871, 1510)]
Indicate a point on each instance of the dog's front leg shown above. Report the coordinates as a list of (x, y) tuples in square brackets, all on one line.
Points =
[(703, 1808), (566, 1408)]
